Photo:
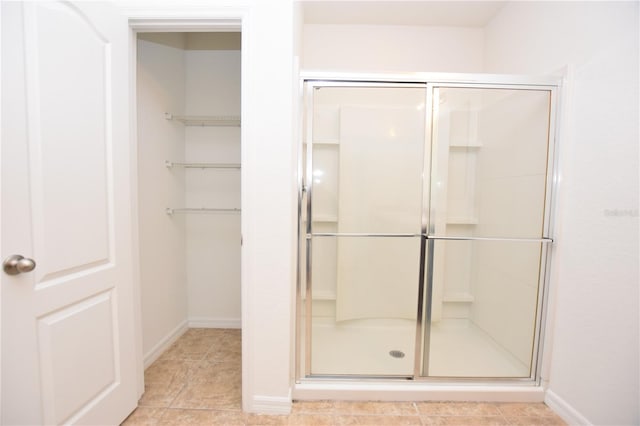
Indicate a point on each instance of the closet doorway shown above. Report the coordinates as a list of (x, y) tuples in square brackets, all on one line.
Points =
[(189, 213)]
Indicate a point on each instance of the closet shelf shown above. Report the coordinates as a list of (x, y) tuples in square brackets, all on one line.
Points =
[(205, 120), (171, 164), (171, 211)]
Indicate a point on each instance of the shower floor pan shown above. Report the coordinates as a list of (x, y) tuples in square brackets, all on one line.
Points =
[(372, 348)]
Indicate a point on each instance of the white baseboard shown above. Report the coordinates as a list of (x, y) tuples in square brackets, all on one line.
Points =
[(206, 322), (164, 344), (565, 410), (270, 405)]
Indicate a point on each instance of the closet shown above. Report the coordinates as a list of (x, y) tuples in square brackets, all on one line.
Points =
[(188, 135)]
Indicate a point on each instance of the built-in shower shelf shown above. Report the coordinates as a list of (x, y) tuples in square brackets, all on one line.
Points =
[(329, 218), (465, 145), (205, 120), (327, 142), (461, 297), (324, 295), (462, 220)]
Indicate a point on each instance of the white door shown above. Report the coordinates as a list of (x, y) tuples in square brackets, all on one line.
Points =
[(68, 344)]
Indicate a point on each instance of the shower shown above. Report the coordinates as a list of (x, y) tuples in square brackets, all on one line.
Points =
[(424, 228)]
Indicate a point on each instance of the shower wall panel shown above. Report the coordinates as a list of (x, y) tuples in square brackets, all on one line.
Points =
[(380, 190), (511, 172)]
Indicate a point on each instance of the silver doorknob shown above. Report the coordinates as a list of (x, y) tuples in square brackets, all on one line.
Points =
[(15, 264)]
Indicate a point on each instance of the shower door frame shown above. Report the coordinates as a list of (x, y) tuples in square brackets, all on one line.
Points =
[(428, 81)]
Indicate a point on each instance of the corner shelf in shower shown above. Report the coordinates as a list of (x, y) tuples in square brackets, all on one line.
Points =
[(323, 295), (328, 218), (171, 211), (171, 164), (205, 120), (462, 220), (465, 145), (327, 142), (461, 297)]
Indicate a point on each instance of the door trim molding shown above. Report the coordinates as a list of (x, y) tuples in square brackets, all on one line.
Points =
[(200, 19)]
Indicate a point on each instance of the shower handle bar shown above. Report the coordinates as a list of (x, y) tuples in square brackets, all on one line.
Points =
[(431, 237), (355, 234), (543, 240)]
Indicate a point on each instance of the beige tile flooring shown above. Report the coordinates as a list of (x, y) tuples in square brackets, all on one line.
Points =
[(197, 382)]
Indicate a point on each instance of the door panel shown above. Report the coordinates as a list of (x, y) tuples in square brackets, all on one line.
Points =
[(368, 146), (489, 177), (69, 110), (365, 157), (491, 315), (71, 379), (487, 230), (375, 307), (380, 167), (377, 277), (68, 326)]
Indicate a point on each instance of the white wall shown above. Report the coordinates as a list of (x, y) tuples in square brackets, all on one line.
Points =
[(160, 85), (212, 87), (594, 365), (387, 48), (269, 205)]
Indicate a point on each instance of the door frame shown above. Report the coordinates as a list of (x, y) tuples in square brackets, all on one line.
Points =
[(213, 20), (309, 386)]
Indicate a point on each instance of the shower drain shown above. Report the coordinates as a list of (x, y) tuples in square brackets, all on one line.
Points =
[(396, 354)]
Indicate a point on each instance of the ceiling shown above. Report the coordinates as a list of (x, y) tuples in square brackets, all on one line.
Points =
[(418, 13)]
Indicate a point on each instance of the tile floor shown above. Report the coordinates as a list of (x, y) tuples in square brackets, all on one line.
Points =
[(197, 382)]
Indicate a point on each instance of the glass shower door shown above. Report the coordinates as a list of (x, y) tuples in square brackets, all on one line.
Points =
[(488, 230), (362, 227)]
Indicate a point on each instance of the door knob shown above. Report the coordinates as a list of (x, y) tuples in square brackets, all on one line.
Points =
[(15, 264)]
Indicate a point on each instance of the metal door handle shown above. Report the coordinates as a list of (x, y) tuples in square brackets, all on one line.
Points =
[(15, 264)]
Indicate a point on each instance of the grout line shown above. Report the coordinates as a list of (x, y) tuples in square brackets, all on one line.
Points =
[(184, 385)]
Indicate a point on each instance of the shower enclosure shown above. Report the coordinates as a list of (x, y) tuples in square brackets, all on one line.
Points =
[(424, 229)]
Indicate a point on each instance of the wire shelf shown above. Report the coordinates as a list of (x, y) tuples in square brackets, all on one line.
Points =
[(205, 120), (187, 210), (171, 164)]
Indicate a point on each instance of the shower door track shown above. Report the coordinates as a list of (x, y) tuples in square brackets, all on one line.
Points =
[(427, 236)]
